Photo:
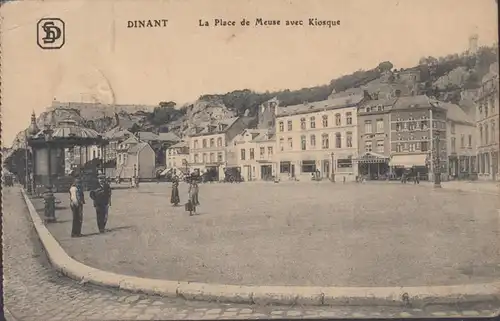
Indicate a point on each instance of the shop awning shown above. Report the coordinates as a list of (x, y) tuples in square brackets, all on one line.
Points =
[(372, 158), (408, 160)]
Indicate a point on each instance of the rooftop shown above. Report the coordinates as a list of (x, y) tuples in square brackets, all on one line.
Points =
[(455, 113), (135, 149), (420, 101), (333, 103)]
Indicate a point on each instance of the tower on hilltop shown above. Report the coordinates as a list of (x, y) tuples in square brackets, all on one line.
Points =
[(473, 44)]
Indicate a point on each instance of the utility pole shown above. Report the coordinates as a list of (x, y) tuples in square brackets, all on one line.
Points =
[(333, 168)]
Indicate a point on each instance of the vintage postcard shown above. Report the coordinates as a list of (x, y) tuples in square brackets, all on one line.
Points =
[(167, 160)]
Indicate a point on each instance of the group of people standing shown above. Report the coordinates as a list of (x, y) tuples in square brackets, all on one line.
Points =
[(101, 197), (193, 191)]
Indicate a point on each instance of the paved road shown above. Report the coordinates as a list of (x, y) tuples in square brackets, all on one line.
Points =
[(295, 233), (33, 291)]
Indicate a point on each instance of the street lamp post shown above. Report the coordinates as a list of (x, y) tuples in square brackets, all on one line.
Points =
[(333, 168), (437, 163), (48, 197)]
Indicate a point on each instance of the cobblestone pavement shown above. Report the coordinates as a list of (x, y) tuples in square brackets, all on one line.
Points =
[(33, 291), (295, 233)]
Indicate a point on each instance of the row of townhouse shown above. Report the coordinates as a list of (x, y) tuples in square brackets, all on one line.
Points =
[(487, 125), (339, 138)]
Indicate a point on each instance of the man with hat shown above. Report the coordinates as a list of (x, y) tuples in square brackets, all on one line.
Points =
[(76, 201), (102, 202)]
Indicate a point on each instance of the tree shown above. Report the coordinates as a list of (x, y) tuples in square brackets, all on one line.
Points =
[(135, 128), (385, 66)]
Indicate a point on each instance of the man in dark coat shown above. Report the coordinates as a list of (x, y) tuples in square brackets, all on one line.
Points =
[(102, 202), (76, 201)]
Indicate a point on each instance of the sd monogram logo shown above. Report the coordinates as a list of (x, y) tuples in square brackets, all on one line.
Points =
[(50, 33)]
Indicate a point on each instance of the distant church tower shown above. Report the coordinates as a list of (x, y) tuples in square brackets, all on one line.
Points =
[(473, 44)]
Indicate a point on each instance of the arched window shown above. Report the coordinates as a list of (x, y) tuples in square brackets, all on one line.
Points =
[(212, 142), (338, 120), (204, 144), (302, 123), (312, 121), (282, 126), (303, 142), (338, 140), (325, 121), (313, 140), (481, 138)]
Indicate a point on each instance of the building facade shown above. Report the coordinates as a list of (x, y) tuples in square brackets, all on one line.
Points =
[(207, 146), (487, 123), (139, 162), (123, 168), (374, 144), (311, 137), (252, 153), (416, 123), (461, 133), (177, 156)]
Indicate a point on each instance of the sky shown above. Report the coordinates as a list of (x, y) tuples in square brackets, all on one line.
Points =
[(103, 60)]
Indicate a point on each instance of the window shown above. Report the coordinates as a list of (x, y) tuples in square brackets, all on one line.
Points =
[(219, 142), (412, 147), (338, 140), (196, 159), (325, 144), (290, 142), (453, 128), (470, 141), (485, 110), (219, 157), (338, 120), (398, 127), (242, 154), (212, 142), (195, 145), (204, 157), (486, 134), (348, 139), (284, 167), (282, 126), (368, 146), (462, 141), (380, 125), (325, 121), (212, 157), (481, 140), (308, 166), (399, 148), (303, 142), (120, 159), (289, 124), (302, 123), (493, 131), (423, 125), (380, 146), (312, 122), (204, 143), (349, 118), (313, 140), (270, 150), (368, 126), (344, 163), (282, 143), (262, 151), (252, 153), (94, 154)]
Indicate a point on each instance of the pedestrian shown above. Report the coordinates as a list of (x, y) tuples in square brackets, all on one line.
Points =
[(76, 201), (174, 197), (102, 202)]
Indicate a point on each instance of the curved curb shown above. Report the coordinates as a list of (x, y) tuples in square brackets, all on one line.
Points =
[(282, 295)]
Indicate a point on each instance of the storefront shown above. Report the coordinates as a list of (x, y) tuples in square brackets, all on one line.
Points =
[(373, 166), (410, 165)]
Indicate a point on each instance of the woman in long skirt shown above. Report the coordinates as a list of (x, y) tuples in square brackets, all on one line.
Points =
[(174, 198)]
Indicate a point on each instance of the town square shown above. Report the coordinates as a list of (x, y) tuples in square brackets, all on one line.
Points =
[(327, 170)]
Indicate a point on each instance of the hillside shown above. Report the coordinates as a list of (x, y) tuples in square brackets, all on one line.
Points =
[(446, 78)]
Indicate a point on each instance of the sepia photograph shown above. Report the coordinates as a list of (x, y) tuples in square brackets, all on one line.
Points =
[(319, 159)]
